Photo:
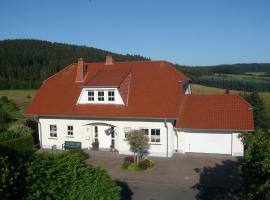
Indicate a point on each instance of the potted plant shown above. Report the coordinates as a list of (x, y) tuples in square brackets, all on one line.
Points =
[(95, 146)]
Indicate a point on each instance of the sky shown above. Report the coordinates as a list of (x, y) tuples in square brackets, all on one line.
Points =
[(187, 32)]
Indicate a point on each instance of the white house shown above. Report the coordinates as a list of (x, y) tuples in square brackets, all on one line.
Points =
[(87, 102)]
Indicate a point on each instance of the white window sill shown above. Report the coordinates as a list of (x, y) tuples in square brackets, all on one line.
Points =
[(53, 138), (155, 143), (69, 136)]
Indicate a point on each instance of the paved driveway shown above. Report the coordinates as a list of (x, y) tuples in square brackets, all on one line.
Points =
[(208, 176)]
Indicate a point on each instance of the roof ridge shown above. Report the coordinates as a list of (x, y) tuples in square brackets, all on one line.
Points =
[(62, 70), (132, 61)]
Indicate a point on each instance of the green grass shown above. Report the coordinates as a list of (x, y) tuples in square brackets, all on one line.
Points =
[(21, 97), (200, 89)]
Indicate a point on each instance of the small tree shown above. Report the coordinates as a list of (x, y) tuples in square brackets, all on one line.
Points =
[(138, 142), (261, 118), (255, 166)]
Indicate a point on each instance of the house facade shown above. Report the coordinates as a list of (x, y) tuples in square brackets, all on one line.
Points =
[(103, 102)]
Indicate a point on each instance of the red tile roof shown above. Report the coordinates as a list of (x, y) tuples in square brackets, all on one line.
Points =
[(225, 111), (150, 89), (154, 91)]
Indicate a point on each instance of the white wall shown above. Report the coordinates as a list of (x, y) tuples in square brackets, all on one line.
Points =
[(83, 98), (83, 132), (237, 145)]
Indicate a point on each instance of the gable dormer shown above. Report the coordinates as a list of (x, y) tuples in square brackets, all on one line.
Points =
[(109, 85)]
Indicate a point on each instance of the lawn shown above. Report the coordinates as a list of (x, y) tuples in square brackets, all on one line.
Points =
[(20, 97), (200, 89)]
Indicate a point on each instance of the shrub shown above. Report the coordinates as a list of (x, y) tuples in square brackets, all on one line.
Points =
[(8, 178), (23, 144), (16, 131), (4, 117), (129, 159), (126, 164), (48, 174), (146, 163), (134, 167)]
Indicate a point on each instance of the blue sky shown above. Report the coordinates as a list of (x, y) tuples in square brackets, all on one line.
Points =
[(189, 32)]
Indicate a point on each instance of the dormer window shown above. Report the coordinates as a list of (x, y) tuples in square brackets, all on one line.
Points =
[(100, 95), (91, 96), (111, 96)]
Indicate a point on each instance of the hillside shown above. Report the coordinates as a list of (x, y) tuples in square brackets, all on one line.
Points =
[(24, 64)]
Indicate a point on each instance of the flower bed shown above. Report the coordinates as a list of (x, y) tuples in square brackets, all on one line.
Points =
[(144, 164)]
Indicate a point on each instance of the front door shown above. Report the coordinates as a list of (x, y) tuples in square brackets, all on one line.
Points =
[(104, 135)]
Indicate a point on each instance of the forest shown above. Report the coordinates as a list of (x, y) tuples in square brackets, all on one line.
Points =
[(24, 63)]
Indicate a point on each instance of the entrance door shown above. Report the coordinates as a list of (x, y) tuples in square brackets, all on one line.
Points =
[(104, 135)]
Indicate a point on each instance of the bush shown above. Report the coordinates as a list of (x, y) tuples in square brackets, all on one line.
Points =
[(23, 144), (15, 131), (126, 164), (48, 174), (8, 178), (146, 164), (255, 166), (4, 117), (134, 167)]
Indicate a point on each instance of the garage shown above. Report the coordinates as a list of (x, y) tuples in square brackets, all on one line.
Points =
[(217, 143)]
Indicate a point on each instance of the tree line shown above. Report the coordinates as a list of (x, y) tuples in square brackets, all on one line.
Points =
[(24, 64)]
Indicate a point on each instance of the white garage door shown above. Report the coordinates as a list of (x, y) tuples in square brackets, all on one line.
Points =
[(219, 143)]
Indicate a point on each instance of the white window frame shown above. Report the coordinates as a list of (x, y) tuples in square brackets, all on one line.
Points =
[(53, 130), (91, 98), (101, 97), (155, 138), (145, 130), (70, 132), (111, 95)]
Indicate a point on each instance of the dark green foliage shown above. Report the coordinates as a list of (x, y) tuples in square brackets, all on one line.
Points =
[(241, 68), (66, 176), (10, 108), (14, 154), (255, 166), (261, 118), (4, 118), (146, 163), (8, 178), (24, 64), (24, 144), (15, 131), (125, 164)]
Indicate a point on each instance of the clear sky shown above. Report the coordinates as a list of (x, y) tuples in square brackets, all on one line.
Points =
[(189, 32)]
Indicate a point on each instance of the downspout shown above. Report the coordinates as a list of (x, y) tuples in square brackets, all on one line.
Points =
[(167, 136)]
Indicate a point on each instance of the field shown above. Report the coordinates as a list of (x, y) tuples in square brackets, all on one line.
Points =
[(200, 89), (20, 97)]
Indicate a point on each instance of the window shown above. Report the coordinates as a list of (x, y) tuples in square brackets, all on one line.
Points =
[(146, 131), (91, 96), (100, 96), (155, 135), (126, 131), (53, 131), (70, 130), (111, 96), (96, 133)]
